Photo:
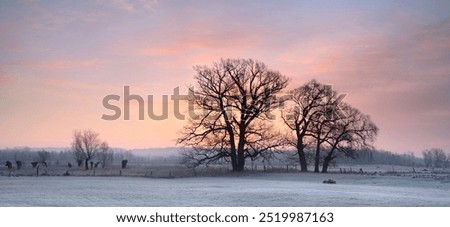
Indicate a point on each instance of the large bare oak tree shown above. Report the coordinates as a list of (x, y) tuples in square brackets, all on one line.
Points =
[(235, 98)]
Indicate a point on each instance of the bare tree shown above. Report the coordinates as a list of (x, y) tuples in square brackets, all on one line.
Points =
[(323, 122), (435, 157), (350, 131), (235, 97), (18, 162), (427, 158), (9, 165), (86, 144), (105, 154), (306, 101), (43, 156), (318, 118), (79, 158), (19, 165), (439, 157)]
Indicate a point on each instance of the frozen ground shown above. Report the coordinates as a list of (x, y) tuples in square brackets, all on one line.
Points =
[(261, 189)]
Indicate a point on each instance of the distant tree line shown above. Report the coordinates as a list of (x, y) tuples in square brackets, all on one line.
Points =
[(436, 158), (380, 157), (30, 158)]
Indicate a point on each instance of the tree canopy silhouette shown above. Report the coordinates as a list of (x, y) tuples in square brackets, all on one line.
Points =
[(86, 145), (320, 119), (235, 98)]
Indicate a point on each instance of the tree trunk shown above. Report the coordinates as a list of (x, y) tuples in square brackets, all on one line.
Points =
[(317, 158), (302, 157), (239, 164), (234, 159), (79, 162), (240, 149), (326, 163), (86, 164), (239, 167), (233, 155), (234, 162), (303, 163), (241, 161)]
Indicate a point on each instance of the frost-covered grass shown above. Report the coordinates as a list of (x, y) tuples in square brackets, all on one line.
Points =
[(247, 189)]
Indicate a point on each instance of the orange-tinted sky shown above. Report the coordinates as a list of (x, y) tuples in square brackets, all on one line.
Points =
[(58, 59)]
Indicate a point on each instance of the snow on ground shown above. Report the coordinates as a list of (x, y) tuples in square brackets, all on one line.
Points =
[(260, 189)]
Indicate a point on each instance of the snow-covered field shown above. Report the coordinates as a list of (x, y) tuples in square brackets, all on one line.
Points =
[(259, 189)]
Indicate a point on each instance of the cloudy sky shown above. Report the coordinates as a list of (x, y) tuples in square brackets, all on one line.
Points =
[(58, 59)]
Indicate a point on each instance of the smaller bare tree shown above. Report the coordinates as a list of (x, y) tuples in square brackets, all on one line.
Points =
[(350, 132), (79, 158), (427, 158), (9, 165), (19, 164), (439, 158), (43, 156), (105, 154), (306, 103), (86, 145), (435, 158)]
